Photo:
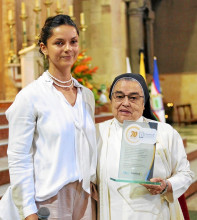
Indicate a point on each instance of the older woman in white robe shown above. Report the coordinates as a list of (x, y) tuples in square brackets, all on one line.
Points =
[(125, 201)]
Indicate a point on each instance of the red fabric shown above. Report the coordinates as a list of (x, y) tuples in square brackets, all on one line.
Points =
[(184, 208)]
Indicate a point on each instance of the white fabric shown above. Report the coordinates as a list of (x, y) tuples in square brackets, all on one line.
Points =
[(42, 134), (123, 201), (8, 210)]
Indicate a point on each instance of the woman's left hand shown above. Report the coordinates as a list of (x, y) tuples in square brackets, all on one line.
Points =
[(158, 189)]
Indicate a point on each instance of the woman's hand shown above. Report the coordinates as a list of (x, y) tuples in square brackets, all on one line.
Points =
[(158, 189), (32, 217)]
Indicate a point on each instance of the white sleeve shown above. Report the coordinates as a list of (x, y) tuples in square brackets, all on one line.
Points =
[(181, 175), (22, 122)]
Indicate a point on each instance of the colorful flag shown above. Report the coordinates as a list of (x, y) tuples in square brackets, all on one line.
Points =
[(142, 66), (156, 96)]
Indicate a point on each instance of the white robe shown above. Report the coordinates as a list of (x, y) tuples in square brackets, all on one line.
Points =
[(126, 201)]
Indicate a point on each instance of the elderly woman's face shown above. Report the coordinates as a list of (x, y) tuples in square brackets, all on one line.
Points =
[(131, 106)]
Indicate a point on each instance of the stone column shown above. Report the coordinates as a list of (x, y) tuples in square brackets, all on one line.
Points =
[(150, 38), (106, 38), (135, 32)]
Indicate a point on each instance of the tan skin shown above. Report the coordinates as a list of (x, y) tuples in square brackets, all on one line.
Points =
[(127, 110), (62, 50)]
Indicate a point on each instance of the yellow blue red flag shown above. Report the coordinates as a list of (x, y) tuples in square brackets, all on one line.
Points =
[(156, 95)]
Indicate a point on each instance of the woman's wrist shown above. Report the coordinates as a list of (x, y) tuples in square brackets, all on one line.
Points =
[(167, 188)]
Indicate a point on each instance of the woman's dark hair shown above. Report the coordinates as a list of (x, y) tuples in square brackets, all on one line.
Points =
[(51, 23)]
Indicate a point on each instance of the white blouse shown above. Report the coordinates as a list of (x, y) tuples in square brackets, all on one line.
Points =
[(48, 146)]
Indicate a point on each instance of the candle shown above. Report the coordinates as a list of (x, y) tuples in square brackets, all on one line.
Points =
[(71, 10), (23, 8), (82, 18), (58, 4), (37, 4), (10, 16), (24, 27)]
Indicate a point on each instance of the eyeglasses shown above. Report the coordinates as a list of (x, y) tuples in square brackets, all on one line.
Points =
[(120, 96)]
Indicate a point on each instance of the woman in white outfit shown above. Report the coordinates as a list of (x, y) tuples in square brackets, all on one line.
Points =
[(125, 201), (52, 141)]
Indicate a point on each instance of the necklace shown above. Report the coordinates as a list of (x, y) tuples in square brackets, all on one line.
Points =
[(62, 86), (53, 77)]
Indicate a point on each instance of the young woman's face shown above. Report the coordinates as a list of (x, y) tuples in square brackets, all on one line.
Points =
[(62, 47)]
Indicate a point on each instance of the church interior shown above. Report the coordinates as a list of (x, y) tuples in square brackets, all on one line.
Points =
[(113, 35)]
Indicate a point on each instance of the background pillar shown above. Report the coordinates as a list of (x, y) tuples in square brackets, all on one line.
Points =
[(136, 32)]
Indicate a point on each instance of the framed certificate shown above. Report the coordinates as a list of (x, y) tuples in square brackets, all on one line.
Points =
[(137, 152)]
